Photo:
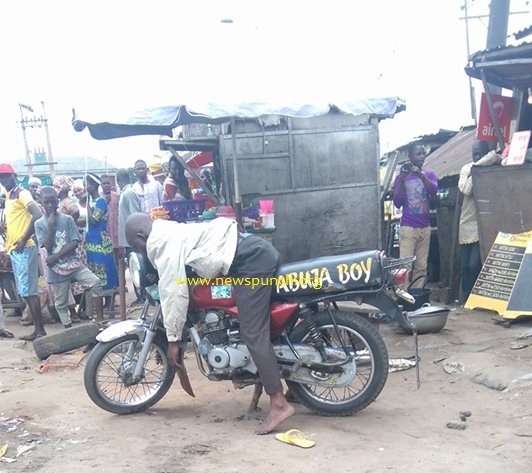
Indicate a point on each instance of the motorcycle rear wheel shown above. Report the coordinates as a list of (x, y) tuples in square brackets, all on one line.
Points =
[(371, 357), (110, 364)]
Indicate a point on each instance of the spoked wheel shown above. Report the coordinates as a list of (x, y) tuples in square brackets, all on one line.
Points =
[(109, 376), (371, 359)]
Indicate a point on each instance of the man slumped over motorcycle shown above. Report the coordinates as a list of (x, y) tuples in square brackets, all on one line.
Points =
[(211, 249)]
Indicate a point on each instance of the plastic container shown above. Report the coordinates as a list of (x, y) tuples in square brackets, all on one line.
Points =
[(268, 220), (266, 206), (183, 210)]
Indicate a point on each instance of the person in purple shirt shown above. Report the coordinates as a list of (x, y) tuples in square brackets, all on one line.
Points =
[(412, 190)]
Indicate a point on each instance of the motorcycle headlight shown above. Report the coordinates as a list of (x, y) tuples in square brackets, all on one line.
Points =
[(153, 292), (134, 269), (143, 274)]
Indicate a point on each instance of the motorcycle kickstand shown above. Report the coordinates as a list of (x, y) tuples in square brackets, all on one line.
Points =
[(254, 404)]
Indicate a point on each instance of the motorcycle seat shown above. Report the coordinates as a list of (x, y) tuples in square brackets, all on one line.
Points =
[(329, 274)]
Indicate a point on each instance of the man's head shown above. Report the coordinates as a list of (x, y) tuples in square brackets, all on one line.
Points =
[(50, 200), (480, 148), (106, 184), (34, 185), (141, 170), (122, 178), (416, 154), (138, 229), (7, 176)]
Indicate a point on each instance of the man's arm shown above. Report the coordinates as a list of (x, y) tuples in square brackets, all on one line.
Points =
[(465, 183), (36, 214), (40, 232), (68, 248), (430, 181), (399, 190), (49, 238), (72, 237), (173, 288)]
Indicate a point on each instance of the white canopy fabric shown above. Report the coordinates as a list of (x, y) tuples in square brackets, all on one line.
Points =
[(162, 120)]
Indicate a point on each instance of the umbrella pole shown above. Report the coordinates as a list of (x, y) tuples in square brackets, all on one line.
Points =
[(238, 203)]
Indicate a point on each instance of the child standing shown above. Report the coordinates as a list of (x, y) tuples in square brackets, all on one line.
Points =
[(58, 233)]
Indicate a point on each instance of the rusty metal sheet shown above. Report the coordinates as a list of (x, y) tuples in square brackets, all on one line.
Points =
[(503, 197), (325, 184)]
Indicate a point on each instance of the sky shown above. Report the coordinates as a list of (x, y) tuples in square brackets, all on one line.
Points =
[(121, 55)]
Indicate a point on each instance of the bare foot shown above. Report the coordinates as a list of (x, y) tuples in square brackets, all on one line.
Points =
[(280, 410)]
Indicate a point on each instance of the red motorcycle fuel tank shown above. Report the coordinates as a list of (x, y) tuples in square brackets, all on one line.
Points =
[(211, 295), (214, 296)]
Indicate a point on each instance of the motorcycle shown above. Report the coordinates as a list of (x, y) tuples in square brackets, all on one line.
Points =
[(334, 362)]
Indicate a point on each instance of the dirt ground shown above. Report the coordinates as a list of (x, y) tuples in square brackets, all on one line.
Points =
[(48, 418)]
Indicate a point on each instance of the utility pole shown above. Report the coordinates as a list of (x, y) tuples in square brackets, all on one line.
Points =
[(45, 124), (497, 29), (29, 119), (472, 99), (23, 125), (497, 34)]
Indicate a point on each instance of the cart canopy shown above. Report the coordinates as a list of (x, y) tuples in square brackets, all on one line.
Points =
[(162, 120)]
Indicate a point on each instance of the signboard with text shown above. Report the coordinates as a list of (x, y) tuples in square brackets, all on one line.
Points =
[(503, 284), (518, 148), (502, 107)]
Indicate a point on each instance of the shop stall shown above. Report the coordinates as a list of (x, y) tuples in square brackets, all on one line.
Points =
[(313, 169)]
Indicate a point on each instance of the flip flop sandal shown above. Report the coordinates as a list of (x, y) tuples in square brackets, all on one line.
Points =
[(295, 437), (6, 334)]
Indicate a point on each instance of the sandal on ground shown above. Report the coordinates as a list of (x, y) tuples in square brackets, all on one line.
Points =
[(295, 437), (6, 334)]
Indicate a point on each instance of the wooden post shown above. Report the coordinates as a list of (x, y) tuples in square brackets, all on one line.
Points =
[(236, 183), (122, 287), (494, 120)]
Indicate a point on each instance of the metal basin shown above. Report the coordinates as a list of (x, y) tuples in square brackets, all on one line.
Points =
[(428, 319)]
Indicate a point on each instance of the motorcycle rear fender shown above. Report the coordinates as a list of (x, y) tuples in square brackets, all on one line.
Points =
[(121, 329)]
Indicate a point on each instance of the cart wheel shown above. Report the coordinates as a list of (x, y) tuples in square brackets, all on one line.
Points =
[(66, 340)]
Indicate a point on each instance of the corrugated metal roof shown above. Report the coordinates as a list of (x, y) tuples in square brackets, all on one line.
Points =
[(523, 33), (506, 66), (449, 158)]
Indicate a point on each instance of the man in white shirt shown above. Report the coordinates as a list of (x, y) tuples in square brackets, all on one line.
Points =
[(149, 190), (211, 249), (468, 236)]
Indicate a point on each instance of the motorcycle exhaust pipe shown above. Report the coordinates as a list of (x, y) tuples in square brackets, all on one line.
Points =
[(405, 296)]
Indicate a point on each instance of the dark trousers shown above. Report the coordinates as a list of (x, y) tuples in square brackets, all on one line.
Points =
[(257, 258), (470, 266)]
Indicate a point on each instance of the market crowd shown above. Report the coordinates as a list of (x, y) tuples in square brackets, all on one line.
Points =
[(61, 245)]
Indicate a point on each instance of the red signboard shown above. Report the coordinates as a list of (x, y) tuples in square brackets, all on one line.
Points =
[(502, 107)]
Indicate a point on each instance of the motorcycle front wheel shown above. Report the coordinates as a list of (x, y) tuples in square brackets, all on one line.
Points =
[(371, 357), (108, 375)]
